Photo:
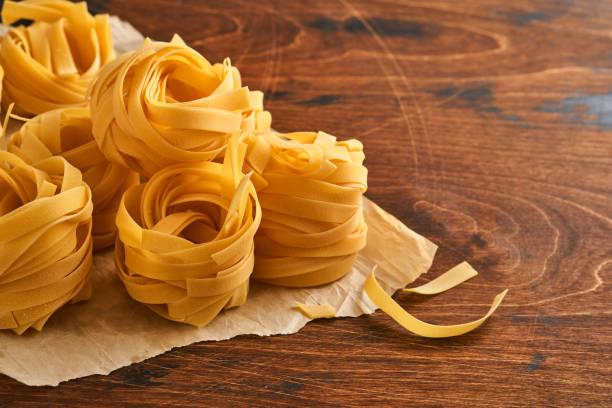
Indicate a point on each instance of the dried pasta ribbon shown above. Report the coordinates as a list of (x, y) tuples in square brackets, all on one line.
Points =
[(1, 80), (165, 104), (185, 244), (416, 326), (45, 240), (324, 311), (448, 280), (66, 132), (310, 187), (50, 63)]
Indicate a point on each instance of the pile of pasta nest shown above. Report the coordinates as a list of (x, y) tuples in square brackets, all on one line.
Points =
[(167, 157)]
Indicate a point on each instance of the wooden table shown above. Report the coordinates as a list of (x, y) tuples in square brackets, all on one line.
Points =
[(487, 129)]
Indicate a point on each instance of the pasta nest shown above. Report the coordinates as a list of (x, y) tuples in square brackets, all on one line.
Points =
[(45, 240), (67, 132), (310, 187), (165, 104), (185, 244), (50, 63)]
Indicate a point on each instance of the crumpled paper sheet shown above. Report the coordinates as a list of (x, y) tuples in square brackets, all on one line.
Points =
[(111, 330)]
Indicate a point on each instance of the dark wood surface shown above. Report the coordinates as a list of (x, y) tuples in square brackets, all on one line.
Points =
[(487, 128)]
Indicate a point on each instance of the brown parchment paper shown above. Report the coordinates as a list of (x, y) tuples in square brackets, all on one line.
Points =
[(111, 330)]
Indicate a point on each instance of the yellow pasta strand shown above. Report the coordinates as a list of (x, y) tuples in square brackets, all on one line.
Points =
[(310, 187), (416, 326), (165, 104), (50, 63), (45, 240), (185, 245), (446, 281), (316, 311), (67, 132), (1, 80)]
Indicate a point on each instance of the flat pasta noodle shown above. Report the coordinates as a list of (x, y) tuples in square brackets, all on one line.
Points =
[(310, 187), (448, 280), (6, 117), (185, 245), (324, 311), (165, 104), (66, 132), (383, 301), (50, 63), (1, 80), (45, 240)]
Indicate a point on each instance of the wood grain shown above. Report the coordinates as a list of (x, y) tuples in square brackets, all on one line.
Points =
[(487, 128)]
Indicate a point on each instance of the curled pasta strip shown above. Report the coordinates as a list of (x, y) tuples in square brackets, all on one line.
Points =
[(310, 187), (448, 280), (45, 240), (165, 104), (185, 244), (50, 63), (67, 132)]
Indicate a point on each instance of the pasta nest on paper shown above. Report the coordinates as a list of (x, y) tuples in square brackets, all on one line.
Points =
[(310, 187), (165, 104), (185, 244), (67, 132), (50, 63), (45, 240)]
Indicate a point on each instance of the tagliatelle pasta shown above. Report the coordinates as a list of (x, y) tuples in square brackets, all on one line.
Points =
[(448, 280), (50, 63), (189, 239), (45, 240), (316, 311), (1, 80), (310, 187), (185, 244), (67, 132), (165, 104)]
